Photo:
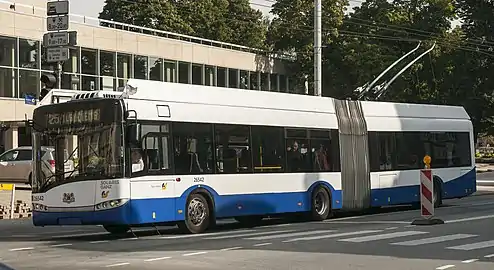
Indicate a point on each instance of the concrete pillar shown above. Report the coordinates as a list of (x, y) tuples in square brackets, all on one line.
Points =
[(11, 139)]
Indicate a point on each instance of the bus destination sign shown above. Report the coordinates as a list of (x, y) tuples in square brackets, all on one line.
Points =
[(75, 117)]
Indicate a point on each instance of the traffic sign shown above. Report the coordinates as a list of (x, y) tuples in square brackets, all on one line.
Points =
[(6, 186), (57, 8), (57, 54), (60, 39), (59, 23)]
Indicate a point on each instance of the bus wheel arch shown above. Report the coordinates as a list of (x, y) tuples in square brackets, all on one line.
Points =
[(202, 201), (321, 203)]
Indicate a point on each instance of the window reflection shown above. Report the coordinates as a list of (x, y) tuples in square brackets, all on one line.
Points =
[(140, 67), (156, 69), (88, 61), (123, 64), (7, 51), (29, 83), (28, 53), (107, 63), (7, 82)]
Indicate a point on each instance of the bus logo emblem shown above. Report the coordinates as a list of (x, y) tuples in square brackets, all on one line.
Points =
[(68, 197), (104, 193)]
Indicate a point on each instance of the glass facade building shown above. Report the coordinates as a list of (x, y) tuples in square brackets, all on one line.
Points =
[(22, 62)]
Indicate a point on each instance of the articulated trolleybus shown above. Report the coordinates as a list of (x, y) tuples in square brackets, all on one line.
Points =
[(165, 153)]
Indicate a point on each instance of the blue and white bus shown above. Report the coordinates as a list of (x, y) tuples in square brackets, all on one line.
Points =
[(167, 153)]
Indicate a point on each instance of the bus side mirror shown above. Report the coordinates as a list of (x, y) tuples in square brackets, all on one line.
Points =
[(134, 133)]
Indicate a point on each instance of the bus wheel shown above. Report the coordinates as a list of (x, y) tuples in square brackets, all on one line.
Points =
[(321, 205), (437, 195), (116, 229), (197, 218)]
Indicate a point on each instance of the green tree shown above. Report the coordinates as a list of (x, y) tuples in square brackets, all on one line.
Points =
[(232, 21), (291, 31), (155, 14)]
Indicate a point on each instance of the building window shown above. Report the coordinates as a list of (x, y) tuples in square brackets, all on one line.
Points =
[(156, 69), (264, 81), (244, 79), (193, 145), (8, 82), (29, 83), (107, 63), (170, 71), (197, 74), (7, 52), (123, 65), (268, 149), (88, 61), (183, 72), (209, 76), (140, 67), (28, 53), (233, 153), (254, 80), (273, 81), (89, 83), (72, 65), (233, 78), (221, 77)]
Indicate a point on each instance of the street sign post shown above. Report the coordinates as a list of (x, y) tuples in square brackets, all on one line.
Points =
[(60, 39), (58, 54), (59, 23), (57, 8), (57, 13)]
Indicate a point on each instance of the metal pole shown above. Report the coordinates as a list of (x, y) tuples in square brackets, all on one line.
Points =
[(59, 75), (317, 48)]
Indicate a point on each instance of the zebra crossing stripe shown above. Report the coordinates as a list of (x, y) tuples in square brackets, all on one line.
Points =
[(246, 235), (330, 236), (434, 240), (478, 245), (288, 235), (382, 236)]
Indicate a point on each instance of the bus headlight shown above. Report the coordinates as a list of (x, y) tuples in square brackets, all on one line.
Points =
[(39, 207), (110, 204)]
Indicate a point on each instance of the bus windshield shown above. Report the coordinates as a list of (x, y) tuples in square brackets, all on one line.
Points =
[(79, 144)]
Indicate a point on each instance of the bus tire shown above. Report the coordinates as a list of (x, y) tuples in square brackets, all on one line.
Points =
[(116, 229), (197, 214), (320, 204), (437, 197)]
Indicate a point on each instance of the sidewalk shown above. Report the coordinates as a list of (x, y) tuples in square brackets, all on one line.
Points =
[(484, 167)]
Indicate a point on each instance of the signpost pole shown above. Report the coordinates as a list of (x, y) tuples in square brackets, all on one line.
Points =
[(12, 202), (427, 196), (58, 39)]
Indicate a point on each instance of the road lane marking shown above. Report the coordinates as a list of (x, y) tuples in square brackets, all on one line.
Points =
[(370, 222), (391, 228), (434, 239), (100, 241), (470, 261), (469, 219), (247, 235), (129, 239), (195, 253), (288, 235), (382, 236), (203, 234), (231, 248), (489, 256), (261, 244), (473, 246), (157, 259), (61, 245), (21, 249), (330, 236), (117, 264), (444, 267)]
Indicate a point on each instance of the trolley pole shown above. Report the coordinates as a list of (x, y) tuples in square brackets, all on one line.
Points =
[(317, 48)]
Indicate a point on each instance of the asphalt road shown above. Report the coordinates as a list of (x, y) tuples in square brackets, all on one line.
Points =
[(376, 241)]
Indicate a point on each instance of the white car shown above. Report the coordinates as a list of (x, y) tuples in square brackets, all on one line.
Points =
[(16, 164)]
